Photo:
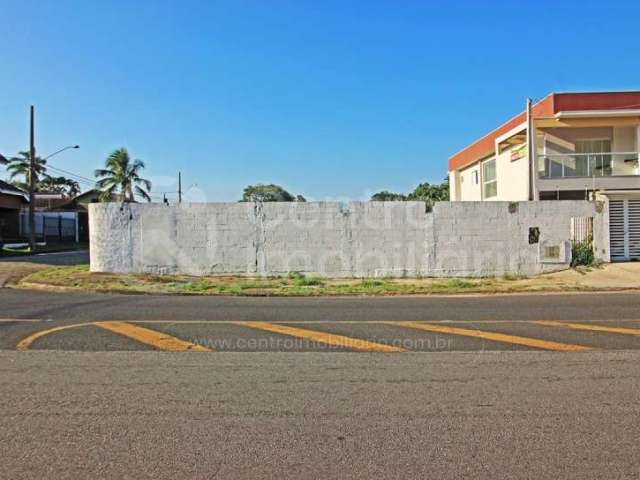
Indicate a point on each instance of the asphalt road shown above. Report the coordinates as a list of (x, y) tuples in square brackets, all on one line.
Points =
[(536, 386), (481, 415), (223, 323)]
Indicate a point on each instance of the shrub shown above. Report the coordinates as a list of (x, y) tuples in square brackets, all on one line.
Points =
[(302, 281), (582, 253), (460, 283), (372, 283)]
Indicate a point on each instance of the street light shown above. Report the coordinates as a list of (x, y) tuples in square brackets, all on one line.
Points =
[(32, 164), (60, 151)]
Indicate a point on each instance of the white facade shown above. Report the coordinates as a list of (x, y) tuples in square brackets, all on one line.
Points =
[(470, 184), (575, 160), (511, 174)]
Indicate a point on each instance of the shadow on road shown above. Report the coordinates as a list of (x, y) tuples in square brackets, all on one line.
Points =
[(58, 258)]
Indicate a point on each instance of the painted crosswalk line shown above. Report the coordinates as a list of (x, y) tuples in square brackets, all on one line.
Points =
[(26, 342), (494, 336), (589, 327), (322, 337), (158, 340)]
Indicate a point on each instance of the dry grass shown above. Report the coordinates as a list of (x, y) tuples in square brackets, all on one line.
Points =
[(79, 278)]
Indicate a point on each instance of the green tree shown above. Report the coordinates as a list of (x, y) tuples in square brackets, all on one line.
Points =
[(269, 193), (19, 170), (386, 196), (433, 193), (424, 192), (122, 175), (59, 185), (430, 194)]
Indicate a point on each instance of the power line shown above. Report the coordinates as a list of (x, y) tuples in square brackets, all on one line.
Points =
[(70, 173), (92, 183)]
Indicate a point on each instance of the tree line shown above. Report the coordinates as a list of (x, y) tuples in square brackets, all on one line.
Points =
[(19, 168), (425, 192), (119, 179)]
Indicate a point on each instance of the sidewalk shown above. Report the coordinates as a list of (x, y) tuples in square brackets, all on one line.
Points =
[(608, 276)]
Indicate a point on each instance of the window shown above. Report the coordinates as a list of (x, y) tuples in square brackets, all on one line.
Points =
[(475, 177), (489, 179), (590, 160)]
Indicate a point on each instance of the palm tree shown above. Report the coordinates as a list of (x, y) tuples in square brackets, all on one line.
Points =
[(122, 175), (59, 185), (19, 166)]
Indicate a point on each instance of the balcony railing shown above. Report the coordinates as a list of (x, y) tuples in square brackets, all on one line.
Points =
[(572, 165)]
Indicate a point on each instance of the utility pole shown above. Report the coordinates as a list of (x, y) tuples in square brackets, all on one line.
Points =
[(179, 187), (531, 150), (32, 183)]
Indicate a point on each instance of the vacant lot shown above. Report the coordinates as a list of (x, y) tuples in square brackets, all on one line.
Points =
[(78, 277)]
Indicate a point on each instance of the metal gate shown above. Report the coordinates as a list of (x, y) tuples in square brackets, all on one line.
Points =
[(624, 229)]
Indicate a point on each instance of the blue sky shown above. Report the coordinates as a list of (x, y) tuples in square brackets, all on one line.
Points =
[(331, 99)]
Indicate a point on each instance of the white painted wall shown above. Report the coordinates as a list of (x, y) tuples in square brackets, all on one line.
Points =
[(358, 239), (454, 186), (470, 191), (513, 177), (624, 140)]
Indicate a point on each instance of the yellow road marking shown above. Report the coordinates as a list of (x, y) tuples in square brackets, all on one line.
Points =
[(322, 337), (497, 337), (25, 343), (159, 340), (592, 328)]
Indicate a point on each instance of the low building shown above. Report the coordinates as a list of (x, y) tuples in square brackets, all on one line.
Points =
[(567, 146), (49, 201), (79, 206), (12, 199)]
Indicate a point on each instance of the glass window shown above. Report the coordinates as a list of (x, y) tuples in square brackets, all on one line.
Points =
[(592, 157), (489, 179)]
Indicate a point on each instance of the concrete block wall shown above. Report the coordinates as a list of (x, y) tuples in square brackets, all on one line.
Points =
[(492, 238), (357, 239), (193, 239), (342, 240)]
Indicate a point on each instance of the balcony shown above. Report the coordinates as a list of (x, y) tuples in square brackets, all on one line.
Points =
[(589, 165)]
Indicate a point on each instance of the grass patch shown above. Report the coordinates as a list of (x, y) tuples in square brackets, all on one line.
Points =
[(80, 278), (295, 285), (510, 277), (459, 283), (302, 281)]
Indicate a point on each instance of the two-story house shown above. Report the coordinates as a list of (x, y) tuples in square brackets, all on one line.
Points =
[(583, 146)]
